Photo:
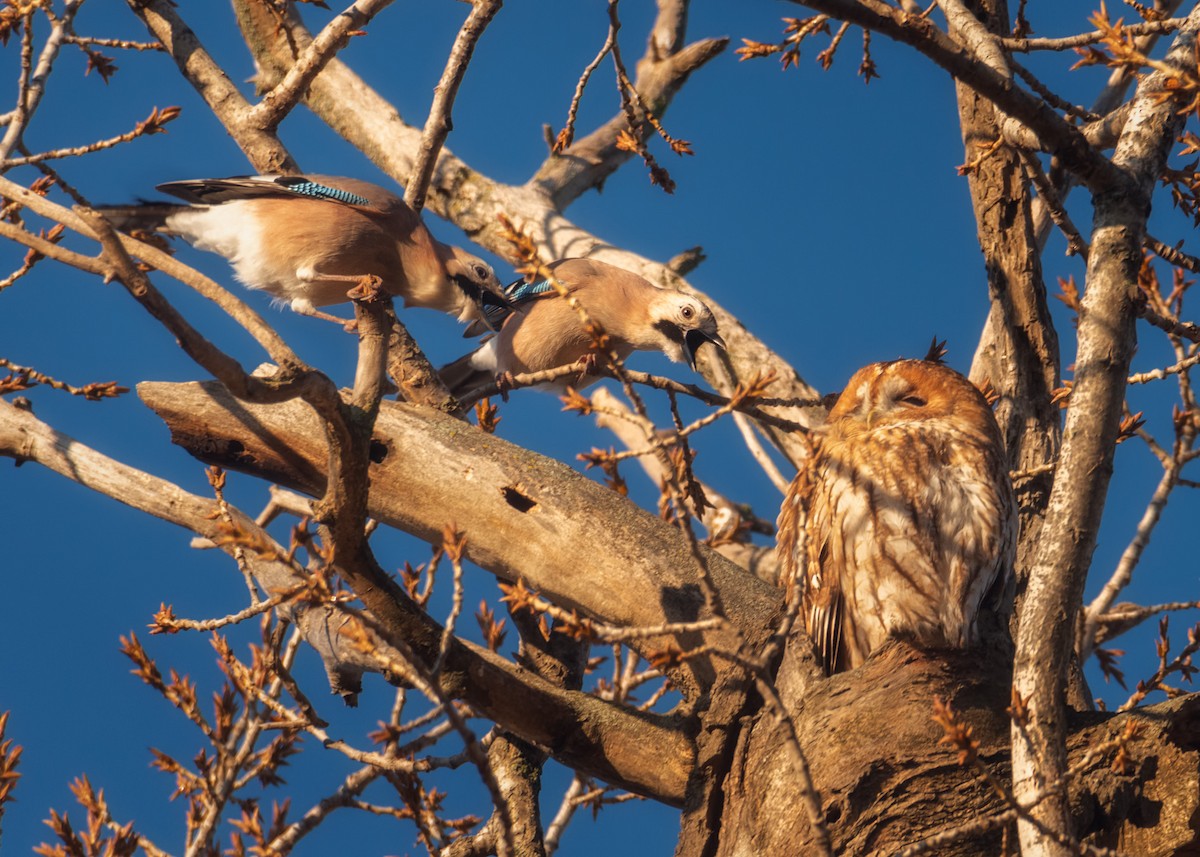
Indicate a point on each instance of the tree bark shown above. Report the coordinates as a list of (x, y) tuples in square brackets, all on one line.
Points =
[(887, 782), (1018, 350), (526, 517), (1107, 338)]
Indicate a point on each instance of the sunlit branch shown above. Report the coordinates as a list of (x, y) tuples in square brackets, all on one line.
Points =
[(1065, 43), (206, 76), (280, 100), (438, 125)]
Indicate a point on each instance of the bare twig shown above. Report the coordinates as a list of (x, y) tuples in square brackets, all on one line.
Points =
[(1076, 246), (1123, 573), (567, 135), (438, 125), (1066, 43), (1165, 372), (277, 103), (33, 80)]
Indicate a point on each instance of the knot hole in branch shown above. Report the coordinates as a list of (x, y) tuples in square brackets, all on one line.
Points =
[(514, 497)]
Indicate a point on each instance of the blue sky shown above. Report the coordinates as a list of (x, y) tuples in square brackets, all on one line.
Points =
[(835, 228)]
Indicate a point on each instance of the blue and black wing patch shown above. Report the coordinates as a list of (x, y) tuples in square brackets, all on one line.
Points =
[(522, 292), (518, 293), (316, 190), (216, 191)]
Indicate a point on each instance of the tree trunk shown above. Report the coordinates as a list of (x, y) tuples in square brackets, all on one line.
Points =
[(887, 781), (885, 778)]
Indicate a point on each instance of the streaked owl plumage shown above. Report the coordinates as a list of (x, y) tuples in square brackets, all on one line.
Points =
[(907, 514)]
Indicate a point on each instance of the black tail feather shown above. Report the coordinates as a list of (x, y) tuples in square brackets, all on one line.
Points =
[(146, 217), (460, 378)]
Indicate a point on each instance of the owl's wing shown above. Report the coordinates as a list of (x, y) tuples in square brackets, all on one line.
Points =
[(823, 597)]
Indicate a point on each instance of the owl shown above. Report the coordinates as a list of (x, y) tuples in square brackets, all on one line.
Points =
[(903, 524)]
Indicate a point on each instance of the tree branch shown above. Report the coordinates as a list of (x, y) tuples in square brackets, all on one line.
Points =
[(521, 513), (1018, 351), (31, 92), (1106, 104), (1060, 137), (1065, 43), (643, 752), (1106, 335), (270, 341), (438, 125), (277, 103), (584, 165), (261, 145)]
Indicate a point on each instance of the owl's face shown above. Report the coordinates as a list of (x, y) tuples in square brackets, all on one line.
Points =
[(907, 391)]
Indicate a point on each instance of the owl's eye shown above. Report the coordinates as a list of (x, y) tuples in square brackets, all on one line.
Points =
[(914, 400)]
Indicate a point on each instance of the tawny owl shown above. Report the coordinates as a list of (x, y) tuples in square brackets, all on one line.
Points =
[(907, 514)]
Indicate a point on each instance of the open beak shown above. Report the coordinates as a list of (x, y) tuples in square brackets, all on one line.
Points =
[(693, 339), (494, 308)]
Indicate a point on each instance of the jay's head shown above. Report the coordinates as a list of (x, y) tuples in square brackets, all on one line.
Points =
[(683, 324), (479, 286)]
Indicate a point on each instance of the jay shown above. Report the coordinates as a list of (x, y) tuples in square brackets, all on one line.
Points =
[(306, 240), (545, 332)]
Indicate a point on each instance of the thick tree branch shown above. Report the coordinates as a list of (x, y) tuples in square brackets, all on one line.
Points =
[(891, 785), (1018, 352), (974, 35), (261, 145), (525, 517), (1106, 332), (583, 731), (416, 377)]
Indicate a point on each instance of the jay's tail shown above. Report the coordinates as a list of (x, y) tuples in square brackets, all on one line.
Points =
[(462, 379), (144, 217)]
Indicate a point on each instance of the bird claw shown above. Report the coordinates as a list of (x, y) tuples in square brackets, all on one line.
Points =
[(505, 381), (588, 364)]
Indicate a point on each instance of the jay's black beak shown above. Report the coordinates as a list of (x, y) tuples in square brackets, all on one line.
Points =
[(693, 339), (494, 308)]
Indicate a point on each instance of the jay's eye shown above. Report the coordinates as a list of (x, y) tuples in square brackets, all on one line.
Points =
[(482, 272), (687, 312)]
